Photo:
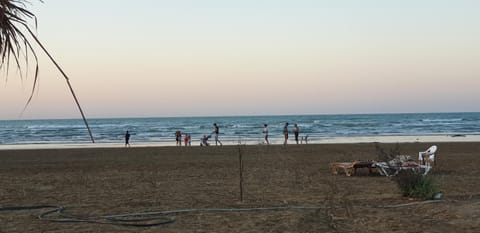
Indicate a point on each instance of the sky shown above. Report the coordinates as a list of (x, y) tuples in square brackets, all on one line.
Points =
[(163, 58)]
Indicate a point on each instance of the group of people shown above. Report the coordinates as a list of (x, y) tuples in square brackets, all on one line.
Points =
[(216, 131), (186, 138), (296, 132)]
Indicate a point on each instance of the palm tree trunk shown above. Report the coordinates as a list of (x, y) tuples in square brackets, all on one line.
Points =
[(66, 78)]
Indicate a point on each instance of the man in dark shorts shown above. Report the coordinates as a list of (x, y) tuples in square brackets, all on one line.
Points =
[(127, 139), (178, 137), (296, 131), (216, 131)]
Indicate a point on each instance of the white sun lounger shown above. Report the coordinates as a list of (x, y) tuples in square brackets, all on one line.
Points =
[(425, 161), (386, 169)]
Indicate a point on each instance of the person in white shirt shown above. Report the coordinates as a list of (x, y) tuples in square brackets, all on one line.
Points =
[(265, 133)]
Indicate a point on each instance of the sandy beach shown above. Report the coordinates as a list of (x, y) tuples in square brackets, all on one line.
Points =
[(110, 181)]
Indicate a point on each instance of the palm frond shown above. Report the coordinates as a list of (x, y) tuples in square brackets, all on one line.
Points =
[(13, 17), (13, 14)]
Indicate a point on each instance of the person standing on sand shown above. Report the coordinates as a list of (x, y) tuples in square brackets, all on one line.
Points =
[(178, 138), (127, 139), (216, 131), (265, 133), (285, 133), (185, 139), (295, 132)]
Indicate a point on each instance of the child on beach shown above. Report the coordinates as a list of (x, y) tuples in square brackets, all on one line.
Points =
[(305, 138), (186, 140), (204, 140)]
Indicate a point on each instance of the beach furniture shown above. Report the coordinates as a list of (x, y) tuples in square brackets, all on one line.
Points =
[(405, 162), (391, 168), (204, 140), (426, 160), (386, 169), (350, 168), (427, 157)]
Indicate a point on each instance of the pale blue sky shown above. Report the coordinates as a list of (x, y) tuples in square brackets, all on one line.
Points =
[(188, 58)]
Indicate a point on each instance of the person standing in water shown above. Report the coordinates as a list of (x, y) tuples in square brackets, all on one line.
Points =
[(216, 131), (285, 133), (127, 139), (296, 131), (265, 133)]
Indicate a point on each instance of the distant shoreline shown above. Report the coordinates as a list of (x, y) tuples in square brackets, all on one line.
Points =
[(244, 130), (195, 143)]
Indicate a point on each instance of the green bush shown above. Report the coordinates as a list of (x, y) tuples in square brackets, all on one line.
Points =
[(415, 185)]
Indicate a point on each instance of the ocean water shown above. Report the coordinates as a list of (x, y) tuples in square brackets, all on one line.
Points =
[(240, 129)]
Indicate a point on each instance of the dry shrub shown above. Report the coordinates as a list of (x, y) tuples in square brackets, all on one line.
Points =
[(383, 155)]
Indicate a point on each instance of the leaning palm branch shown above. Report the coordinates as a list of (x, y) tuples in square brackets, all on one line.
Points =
[(13, 18)]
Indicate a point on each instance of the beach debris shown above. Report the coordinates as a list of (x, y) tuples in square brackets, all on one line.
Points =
[(438, 196)]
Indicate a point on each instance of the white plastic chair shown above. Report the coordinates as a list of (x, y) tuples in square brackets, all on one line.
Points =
[(427, 157)]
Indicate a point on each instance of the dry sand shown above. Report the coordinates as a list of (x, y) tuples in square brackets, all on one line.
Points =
[(95, 181)]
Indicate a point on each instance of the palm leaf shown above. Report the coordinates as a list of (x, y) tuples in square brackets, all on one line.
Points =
[(12, 15), (13, 18)]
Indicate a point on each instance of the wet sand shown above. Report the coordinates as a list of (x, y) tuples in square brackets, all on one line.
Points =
[(107, 181)]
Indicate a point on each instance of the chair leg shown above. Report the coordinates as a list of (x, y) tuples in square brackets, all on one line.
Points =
[(347, 172), (334, 170)]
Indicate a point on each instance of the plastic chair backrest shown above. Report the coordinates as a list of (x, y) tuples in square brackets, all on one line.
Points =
[(431, 150)]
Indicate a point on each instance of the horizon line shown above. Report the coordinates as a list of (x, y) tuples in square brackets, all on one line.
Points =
[(226, 116)]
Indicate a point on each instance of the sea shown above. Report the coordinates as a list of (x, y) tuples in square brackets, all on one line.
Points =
[(234, 130)]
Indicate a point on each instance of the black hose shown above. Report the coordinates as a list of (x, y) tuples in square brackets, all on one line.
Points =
[(138, 219), (134, 222), (64, 218), (17, 208)]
